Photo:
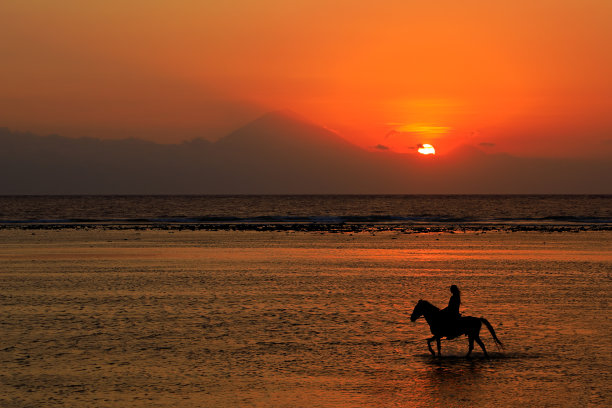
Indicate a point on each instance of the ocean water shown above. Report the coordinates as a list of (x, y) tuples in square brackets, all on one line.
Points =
[(99, 317), (312, 210)]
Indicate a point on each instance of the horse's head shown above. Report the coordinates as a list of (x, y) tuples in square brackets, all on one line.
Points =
[(417, 312)]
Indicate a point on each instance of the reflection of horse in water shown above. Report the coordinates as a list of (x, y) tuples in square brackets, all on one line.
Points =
[(441, 326)]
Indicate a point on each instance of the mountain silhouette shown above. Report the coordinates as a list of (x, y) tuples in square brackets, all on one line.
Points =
[(283, 130), (282, 152), (278, 153)]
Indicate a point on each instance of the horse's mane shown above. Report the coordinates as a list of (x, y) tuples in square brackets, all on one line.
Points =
[(430, 305)]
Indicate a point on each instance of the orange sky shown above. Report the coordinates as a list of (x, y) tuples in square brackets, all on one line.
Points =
[(525, 77)]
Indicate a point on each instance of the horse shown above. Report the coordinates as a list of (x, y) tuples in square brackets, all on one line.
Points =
[(440, 326)]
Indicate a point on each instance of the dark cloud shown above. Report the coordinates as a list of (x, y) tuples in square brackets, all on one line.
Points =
[(381, 147), (486, 144)]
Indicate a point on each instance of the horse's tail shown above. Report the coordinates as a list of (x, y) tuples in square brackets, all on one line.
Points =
[(497, 341)]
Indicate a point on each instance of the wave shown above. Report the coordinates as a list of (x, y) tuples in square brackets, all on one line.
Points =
[(340, 219)]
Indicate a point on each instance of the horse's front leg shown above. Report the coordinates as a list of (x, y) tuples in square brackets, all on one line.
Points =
[(438, 344), (429, 345)]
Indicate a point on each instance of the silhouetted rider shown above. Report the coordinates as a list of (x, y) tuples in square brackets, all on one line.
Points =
[(451, 312)]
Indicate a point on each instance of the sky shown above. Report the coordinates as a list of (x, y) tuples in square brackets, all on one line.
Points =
[(529, 78)]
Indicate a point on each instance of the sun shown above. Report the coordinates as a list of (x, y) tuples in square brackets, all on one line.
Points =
[(426, 149)]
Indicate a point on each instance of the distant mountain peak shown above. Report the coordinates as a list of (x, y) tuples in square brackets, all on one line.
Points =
[(276, 154), (283, 128)]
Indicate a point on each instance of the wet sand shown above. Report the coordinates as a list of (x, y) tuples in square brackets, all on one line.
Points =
[(128, 317)]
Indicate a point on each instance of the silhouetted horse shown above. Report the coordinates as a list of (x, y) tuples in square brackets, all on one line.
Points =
[(440, 326)]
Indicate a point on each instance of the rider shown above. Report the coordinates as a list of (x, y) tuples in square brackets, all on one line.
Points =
[(451, 312)]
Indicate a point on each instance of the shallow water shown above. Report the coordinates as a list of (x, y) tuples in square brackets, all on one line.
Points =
[(125, 318)]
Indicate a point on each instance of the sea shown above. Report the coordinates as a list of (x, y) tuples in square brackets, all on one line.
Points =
[(311, 209), (302, 301)]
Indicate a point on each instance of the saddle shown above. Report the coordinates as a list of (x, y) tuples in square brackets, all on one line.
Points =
[(452, 327)]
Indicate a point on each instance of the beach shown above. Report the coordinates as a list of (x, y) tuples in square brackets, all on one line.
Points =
[(139, 317)]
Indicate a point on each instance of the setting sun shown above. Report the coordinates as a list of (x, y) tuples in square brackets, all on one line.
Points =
[(426, 149)]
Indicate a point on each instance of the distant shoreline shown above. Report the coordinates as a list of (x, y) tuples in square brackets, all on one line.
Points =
[(311, 227)]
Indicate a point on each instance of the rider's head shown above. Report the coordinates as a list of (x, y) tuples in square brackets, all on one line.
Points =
[(454, 290)]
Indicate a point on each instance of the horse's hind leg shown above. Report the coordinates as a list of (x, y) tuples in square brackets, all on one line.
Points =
[(482, 346), (429, 346), (439, 347), (471, 346)]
